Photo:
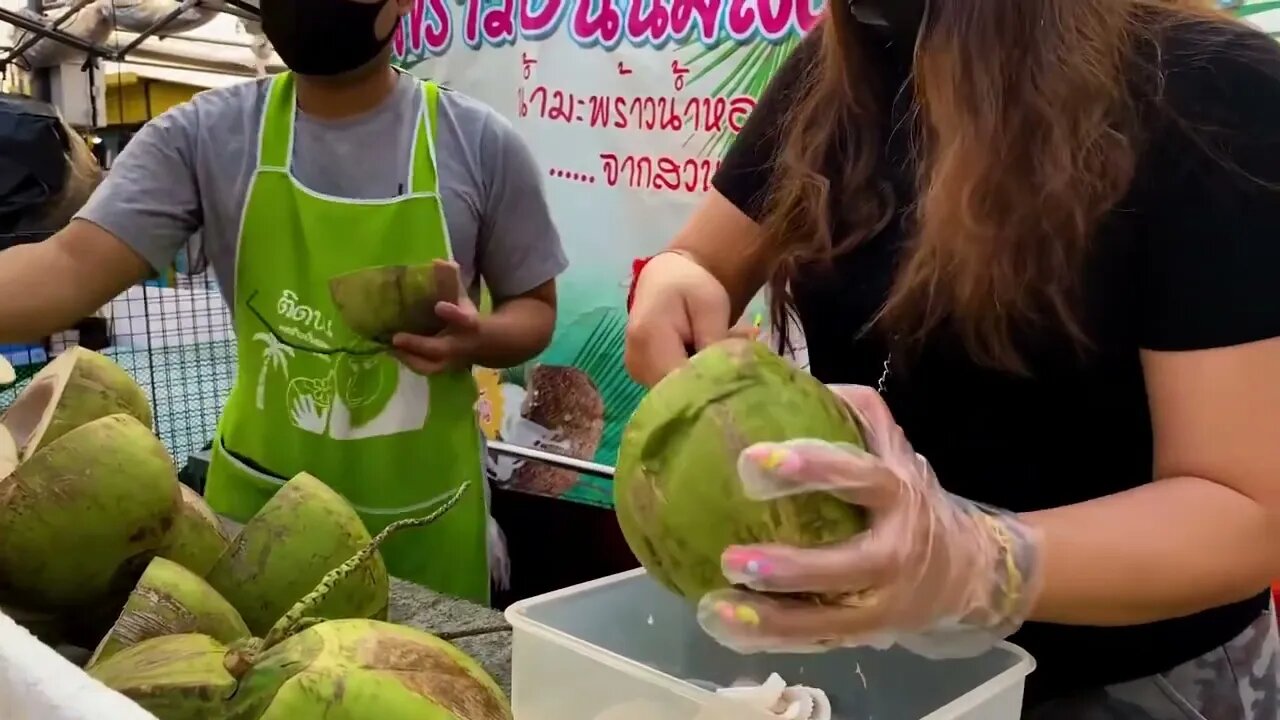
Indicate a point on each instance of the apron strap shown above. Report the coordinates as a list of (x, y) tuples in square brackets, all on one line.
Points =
[(423, 175), (275, 136)]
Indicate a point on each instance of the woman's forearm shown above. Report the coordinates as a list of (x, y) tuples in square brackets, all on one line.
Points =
[(1161, 551), (729, 245)]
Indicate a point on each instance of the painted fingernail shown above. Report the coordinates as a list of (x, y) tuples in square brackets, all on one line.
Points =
[(774, 458), (725, 610), (747, 615), (747, 562)]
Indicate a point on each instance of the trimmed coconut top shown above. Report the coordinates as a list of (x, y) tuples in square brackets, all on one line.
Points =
[(7, 375), (8, 453), (29, 416)]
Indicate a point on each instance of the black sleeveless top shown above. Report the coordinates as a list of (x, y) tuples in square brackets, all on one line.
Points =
[(1190, 260)]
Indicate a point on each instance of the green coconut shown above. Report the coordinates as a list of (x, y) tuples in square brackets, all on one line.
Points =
[(304, 531), (82, 517), (371, 670), (378, 302), (171, 600), (196, 540), (78, 387), (678, 497), (355, 669), (174, 677)]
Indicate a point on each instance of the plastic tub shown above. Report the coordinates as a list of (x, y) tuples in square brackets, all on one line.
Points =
[(623, 648)]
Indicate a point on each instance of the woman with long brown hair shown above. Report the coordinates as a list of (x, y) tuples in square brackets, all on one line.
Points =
[(1041, 241)]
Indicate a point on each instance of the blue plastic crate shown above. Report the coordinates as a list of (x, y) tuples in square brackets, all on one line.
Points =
[(22, 355)]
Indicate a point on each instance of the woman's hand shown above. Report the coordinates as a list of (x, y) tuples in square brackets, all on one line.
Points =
[(933, 572), (678, 306)]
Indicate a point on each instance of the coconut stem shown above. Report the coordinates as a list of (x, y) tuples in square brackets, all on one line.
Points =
[(294, 620)]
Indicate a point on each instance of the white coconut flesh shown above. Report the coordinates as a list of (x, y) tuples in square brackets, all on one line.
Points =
[(7, 375), (8, 453), (29, 416)]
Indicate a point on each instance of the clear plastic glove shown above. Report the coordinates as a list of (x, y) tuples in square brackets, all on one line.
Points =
[(935, 573)]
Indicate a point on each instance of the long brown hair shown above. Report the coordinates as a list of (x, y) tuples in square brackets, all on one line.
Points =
[(1025, 133)]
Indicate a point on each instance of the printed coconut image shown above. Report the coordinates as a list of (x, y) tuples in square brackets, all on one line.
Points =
[(567, 403), (558, 410)]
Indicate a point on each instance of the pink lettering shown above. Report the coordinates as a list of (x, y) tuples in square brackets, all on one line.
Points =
[(596, 27), (486, 24), (425, 31), (648, 21), (603, 23), (662, 173), (704, 13), (537, 24)]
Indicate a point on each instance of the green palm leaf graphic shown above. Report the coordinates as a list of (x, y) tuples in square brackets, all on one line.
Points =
[(1257, 7), (750, 67)]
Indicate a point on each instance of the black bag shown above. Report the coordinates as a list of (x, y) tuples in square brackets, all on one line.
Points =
[(33, 161)]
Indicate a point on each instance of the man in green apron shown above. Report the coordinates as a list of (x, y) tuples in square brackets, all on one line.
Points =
[(343, 163)]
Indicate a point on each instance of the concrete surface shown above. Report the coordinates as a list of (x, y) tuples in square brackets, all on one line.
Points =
[(478, 631)]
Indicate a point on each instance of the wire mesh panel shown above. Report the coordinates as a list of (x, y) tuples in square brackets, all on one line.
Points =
[(176, 339), (174, 336)]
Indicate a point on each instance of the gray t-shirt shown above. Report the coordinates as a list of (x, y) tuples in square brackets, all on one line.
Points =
[(189, 169)]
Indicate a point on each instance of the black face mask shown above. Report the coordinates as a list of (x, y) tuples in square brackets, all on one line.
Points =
[(323, 37), (901, 19)]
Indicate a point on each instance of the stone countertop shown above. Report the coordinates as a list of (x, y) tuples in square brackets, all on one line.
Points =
[(480, 632)]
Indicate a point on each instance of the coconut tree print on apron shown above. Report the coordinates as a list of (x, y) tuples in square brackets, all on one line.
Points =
[(312, 396)]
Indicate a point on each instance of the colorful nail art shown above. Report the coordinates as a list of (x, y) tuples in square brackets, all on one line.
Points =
[(775, 459), (726, 611), (747, 615), (747, 562)]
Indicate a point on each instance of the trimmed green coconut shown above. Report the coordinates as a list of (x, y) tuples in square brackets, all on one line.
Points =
[(171, 600), (196, 540), (378, 302), (78, 387), (371, 670), (174, 677), (354, 669), (284, 550), (679, 500), (80, 519)]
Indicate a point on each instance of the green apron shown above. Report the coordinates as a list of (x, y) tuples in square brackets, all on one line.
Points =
[(311, 396)]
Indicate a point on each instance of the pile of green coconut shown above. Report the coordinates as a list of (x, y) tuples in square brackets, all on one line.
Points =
[(102, 548)]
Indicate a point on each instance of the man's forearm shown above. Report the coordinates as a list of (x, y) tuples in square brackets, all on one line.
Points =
[(515, 332), (1164, 550), (49, 286), (31, 302)]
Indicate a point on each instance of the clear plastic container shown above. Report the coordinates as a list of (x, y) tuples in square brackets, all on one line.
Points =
[(623, 648)]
